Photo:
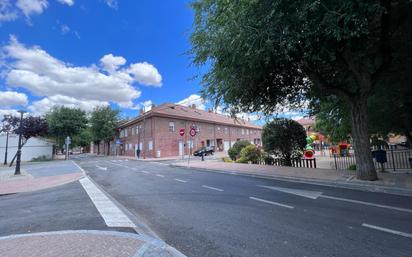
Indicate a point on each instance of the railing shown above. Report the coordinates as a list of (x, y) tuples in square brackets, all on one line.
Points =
[(296, 162), (396, 160)]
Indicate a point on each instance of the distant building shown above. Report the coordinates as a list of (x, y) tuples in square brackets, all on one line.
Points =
[(33, 148), (156, 132)]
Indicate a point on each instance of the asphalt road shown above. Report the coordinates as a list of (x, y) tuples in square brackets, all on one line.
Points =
[(211, 214)]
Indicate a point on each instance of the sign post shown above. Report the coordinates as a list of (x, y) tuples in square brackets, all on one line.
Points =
[(192, 133), (68, 141)]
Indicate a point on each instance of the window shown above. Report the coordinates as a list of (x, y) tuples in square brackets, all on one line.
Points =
[(210, 129), (171, 126), (243, 131), (121, 133), (132, 128), (218, 128), (125, 132), (150, 145), (226, 130), (247, 132)]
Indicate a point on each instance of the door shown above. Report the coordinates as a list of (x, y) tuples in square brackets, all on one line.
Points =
[(181, 147), (226, 145), (135, 152)]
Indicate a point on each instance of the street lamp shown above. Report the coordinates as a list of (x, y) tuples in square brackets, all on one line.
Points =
[(17, 171), (7, 138)]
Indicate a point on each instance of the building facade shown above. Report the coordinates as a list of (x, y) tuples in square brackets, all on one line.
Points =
[(156, 133), (34, 148)]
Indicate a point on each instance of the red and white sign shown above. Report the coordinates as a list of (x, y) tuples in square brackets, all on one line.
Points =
[(182, 131), (192, 132)]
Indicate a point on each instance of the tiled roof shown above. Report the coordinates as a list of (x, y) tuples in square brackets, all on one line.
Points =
[(306, 121), (180, 111)]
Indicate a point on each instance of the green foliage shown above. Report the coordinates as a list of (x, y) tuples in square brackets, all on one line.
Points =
[(250, 153), (234, 151), (104, 121), (31, 126), (84, 138), (284, 137), (352, 167), (226, 159), (42, 158), (64, 121)]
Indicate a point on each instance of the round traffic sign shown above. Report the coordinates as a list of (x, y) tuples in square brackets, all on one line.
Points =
[(182, 131), (192, 132)]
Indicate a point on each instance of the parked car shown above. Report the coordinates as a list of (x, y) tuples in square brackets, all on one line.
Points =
[(205, 151)]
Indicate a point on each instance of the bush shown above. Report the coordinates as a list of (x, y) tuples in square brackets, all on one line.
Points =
[(250, 153), (226, 159), (41, 158), (352, 167), (234, 151)]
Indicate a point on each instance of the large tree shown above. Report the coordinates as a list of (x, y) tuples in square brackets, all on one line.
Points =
[(268, 52), (104, 121), (64, 122)]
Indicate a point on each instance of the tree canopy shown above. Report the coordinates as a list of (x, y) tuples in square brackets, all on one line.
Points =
[(104, 121), (270, 52), (64, 121), (285, 138)]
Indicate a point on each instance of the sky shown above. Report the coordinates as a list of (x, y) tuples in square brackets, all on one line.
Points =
[(88, 53)]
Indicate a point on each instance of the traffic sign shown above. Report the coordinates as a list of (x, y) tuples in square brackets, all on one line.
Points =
[(182, 131), (68, 141), (192, 132)]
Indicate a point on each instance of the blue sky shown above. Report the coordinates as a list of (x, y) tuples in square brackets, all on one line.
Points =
[(79, 33), (86, 53)]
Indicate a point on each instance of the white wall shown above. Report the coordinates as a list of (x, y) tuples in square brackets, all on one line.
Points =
[(34, 147)]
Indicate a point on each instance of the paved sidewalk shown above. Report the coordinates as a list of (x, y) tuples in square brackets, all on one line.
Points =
[(90, 243), (388, 182), (36, 176)]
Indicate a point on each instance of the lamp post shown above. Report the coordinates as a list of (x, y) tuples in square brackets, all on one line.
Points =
[(17, 171), (6, 129)]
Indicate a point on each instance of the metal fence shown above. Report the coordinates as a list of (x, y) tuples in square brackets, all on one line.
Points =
[(296, 162), (396, 160)]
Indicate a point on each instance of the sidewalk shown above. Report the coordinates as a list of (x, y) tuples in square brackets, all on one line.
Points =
[(36, 176), (90, 243), (387, 183)]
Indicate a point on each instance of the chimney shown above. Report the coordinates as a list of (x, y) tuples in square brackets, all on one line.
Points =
[(193, 106), (141, 111), (210, 110)]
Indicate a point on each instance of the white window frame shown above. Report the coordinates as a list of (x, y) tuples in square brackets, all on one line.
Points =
[(171, 126), (150, 145)]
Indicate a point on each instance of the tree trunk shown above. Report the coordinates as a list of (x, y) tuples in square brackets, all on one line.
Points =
[(98, 148), (365, 169), (108, 148)]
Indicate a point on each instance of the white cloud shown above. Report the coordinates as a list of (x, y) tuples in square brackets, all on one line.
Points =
[(9, 98), (64, 29), (44, 105), (11, 112), (112, 63), (43, 75), (68, 2), (194, 99), (29, 7), (146, 74), (7, 12), (112, 3)]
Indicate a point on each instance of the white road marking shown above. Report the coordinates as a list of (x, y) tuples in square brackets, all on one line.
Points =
[(145, 172), (270, 202), (112, 215), (387, 230), (213, 188), (101, 168), (367, 203), (299, 192), (181, 180), (160, 175)]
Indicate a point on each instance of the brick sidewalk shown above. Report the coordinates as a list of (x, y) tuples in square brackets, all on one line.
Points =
[(388, 182), (88, 243)]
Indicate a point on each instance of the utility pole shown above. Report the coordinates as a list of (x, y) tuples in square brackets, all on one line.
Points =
[(144, 132), (17, 171)]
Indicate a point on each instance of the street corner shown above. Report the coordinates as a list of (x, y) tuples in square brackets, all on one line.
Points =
[(89, 243), (39, 176)]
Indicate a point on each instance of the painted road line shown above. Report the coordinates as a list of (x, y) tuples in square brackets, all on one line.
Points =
[(101, 168), (181, 180), (366, 203), (270, 202), (160, 175), (145, 172), (213, 188), (112, 215), (387, 230)]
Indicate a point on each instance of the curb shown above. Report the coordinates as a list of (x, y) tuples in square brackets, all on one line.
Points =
[(318, 182)]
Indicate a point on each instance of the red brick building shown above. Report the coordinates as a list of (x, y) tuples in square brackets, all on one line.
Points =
[(156, 132)]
